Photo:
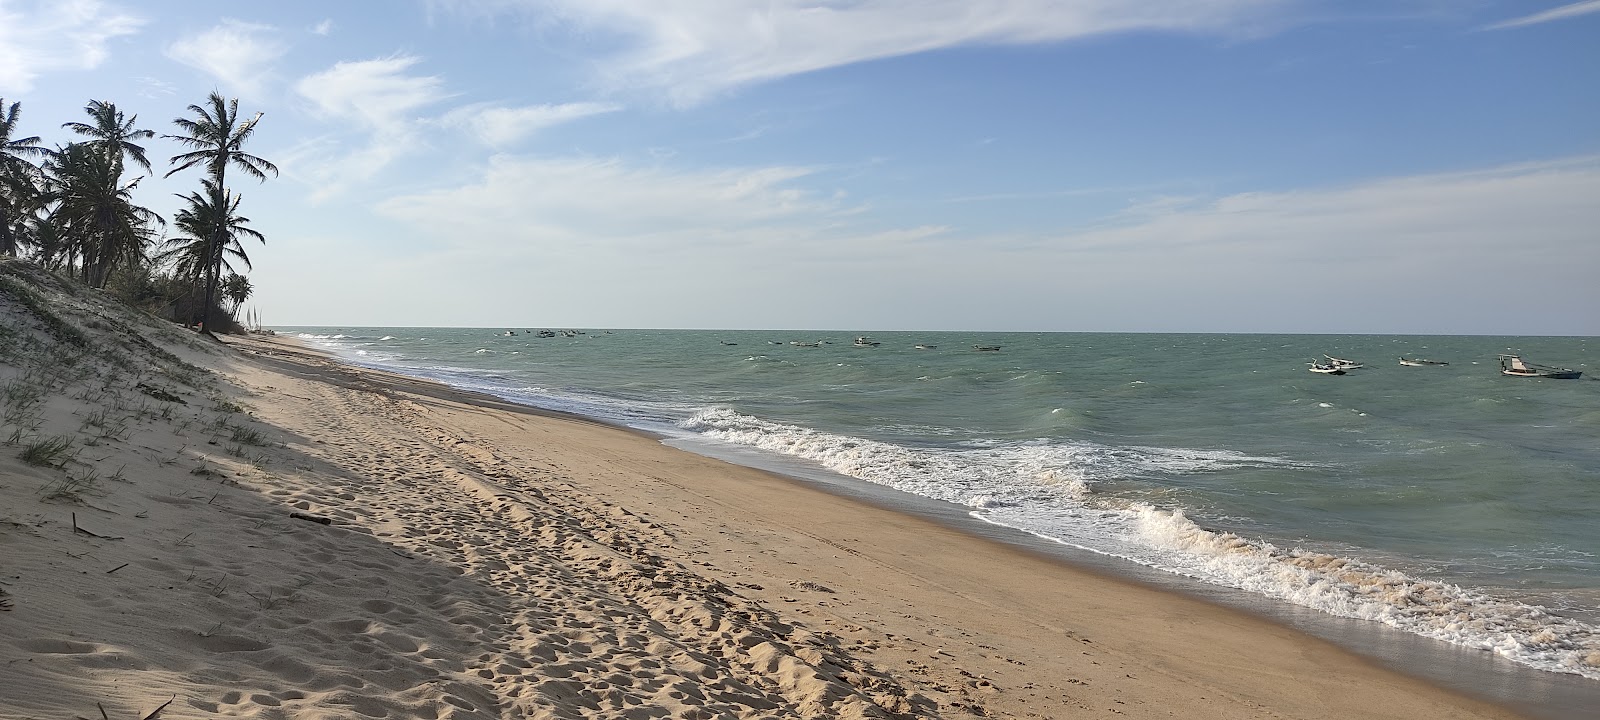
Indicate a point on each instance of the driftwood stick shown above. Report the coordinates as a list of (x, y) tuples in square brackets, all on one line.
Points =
[(157, 712), (119, 567), (318, 519), (80, 530)]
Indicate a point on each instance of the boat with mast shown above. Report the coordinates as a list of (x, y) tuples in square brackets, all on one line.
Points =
[(1515, 366)]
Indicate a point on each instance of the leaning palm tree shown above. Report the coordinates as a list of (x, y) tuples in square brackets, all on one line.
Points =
[(112, 134), (217, 136), (93, 210), (236, 289), (198, 224), (19, 178)]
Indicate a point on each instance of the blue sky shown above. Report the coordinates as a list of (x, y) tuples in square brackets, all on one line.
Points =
[(1414, 166)]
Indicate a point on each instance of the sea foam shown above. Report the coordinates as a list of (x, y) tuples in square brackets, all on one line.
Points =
[(1047, 489)]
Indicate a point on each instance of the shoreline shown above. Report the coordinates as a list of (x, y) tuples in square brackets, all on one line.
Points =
[(257, 530), (1010, 541), (1475, 672)]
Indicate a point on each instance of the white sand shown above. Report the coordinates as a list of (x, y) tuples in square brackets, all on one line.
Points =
[(485, 562)]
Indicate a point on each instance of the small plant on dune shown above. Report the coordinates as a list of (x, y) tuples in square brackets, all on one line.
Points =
[(23, 430), (97, 419), (49, 452), (227, 406), (72, 488), (18, 399), (248, 436), (237, 451)]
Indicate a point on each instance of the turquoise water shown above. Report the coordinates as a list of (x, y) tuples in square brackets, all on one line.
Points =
[(1448, 501)]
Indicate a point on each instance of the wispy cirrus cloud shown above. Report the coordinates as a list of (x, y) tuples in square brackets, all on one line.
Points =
[(590, 201), (239, 55), (1565, 12), (695, 49), (500, 127), (45, 36), (371, 104), (1437, 253)]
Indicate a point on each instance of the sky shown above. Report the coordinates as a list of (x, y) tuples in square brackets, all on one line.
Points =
[(1276, 166)]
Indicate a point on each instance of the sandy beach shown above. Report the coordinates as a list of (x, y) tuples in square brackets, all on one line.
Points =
[(255, 530)]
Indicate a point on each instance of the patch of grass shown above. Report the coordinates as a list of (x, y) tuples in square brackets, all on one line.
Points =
[(60, 330), (160, 394), (97, 419), (72, 489), (248, 436), (227, 406), (19, 399), (51, 452)]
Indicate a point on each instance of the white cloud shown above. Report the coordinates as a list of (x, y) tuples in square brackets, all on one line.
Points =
[(693, 49), (602, 201), (1561, 13), (1503, 250), (239, 55), (375, 99), (41, 37), (503, 126), (1444, 253), (322, 28)]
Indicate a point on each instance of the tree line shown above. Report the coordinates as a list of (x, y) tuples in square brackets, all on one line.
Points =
[(70, 209)]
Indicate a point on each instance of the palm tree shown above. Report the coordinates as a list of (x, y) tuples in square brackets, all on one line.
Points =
[(93, 211), (112, 134), (198, 224), (237, 289), (217, 136), (19, 178)]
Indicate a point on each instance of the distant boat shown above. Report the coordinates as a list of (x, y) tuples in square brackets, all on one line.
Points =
[(986, 348), (1515, 366), (865, 341), (798, 343), (1421, 362), (725, 342), (1325, 368), (926, 347), (1342, 363)]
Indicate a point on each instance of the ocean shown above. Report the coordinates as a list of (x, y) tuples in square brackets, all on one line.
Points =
[(1449, 502)]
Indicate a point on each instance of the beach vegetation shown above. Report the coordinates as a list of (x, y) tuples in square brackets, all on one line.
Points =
[(216, 135), (19, 178), (53, 452), (248, 436), (73, 210), (98, 226), (72, 488)]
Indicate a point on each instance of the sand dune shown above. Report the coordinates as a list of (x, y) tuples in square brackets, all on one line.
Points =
[(480, 560)]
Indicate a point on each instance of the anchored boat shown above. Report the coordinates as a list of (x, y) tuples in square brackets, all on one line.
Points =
[(1515, 366)]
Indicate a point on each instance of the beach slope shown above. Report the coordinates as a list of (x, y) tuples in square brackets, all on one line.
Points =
[(250, 529)]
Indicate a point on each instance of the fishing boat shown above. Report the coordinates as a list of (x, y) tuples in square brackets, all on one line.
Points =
[(986, 348), (1325, 368), (1515, 366), (865, 341), (1421, 362), (1342, 363), (925, 346)]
